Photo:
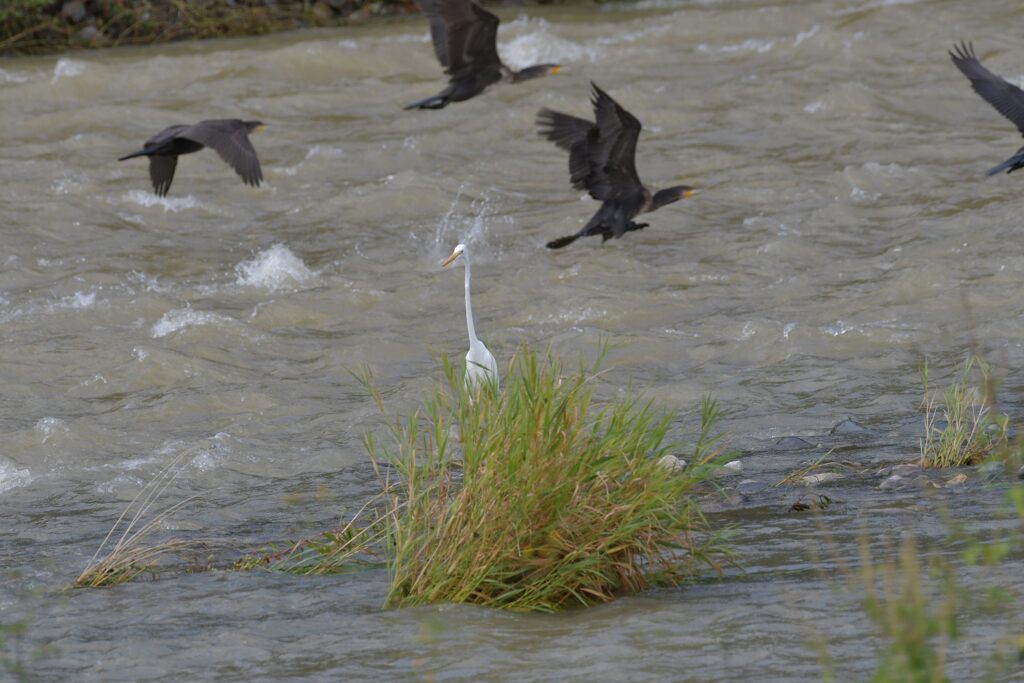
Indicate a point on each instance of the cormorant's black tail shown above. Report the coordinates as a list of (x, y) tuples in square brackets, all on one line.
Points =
[(140, 153), (564, 241), (432, 102), (1013, 163)]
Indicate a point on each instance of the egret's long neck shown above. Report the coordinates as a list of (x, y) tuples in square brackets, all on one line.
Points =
[(469, 306)]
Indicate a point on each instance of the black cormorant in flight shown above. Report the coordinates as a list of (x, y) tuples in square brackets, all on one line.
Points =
[(1007, 98), (465, 42), (602, 160), (228, 137)]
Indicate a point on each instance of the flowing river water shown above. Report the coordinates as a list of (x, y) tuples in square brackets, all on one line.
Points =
[(845, 232)]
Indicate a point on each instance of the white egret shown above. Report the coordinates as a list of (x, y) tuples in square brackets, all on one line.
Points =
[(480, 364)]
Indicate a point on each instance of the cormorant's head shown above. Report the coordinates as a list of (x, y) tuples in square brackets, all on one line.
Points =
[(254, 126), (671, 194), (535, 72), (459, 248)]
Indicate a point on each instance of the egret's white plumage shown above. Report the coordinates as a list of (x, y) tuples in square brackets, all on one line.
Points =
[(480, 364)]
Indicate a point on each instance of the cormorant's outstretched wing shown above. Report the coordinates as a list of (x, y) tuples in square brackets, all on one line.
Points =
[(1007, 98), (161, 172), (438, 29), (574, 135), (468, 33), (562, 129), (230, 139), (613, 158)]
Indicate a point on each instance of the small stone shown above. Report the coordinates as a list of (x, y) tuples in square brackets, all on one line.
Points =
[(73, 11), (957, 480), (849, 427), (672, 464), (907, 469), (819, 479), (729, 469), (792, 443), (893, 482)]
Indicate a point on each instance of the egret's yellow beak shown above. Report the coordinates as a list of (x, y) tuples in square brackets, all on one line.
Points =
[(554, 70), (451, 258)]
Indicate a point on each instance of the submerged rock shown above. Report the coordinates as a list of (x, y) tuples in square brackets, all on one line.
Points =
[(850, 427), (907, 469), (822, 478), (894, 482), (748, 486), (792, 443)]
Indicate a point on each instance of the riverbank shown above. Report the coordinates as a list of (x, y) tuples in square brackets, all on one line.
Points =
[(46, 26)]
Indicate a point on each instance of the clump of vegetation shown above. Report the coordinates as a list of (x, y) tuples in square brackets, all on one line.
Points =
[(356, 545), (966, 428), (535, 499), (131, 554)]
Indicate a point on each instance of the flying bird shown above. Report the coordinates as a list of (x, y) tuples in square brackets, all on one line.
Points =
[(1007, 98), (228, 137), (481, 367), (602, 160), (465, 42)]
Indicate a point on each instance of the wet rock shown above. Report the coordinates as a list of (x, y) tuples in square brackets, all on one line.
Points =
[(729, 469), (849, 427), (958, 480), (907, 469), (894, 482), (1020, 472), (821, 478), (74, 11), (672, 464), (792, 443)]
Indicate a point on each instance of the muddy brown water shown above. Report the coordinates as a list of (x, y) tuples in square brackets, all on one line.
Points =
[(844, 232)]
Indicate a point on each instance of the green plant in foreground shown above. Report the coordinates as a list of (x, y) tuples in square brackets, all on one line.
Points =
[(910, 619), (973, 429), (535, 499), (918, 609)]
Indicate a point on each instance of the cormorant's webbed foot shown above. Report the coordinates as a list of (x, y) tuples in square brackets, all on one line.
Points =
[(563, 241), (432, 102)]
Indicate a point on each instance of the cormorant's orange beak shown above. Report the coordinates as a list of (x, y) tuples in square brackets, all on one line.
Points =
[(451, 258), (689, 193), (259, 128), (554, 70)]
